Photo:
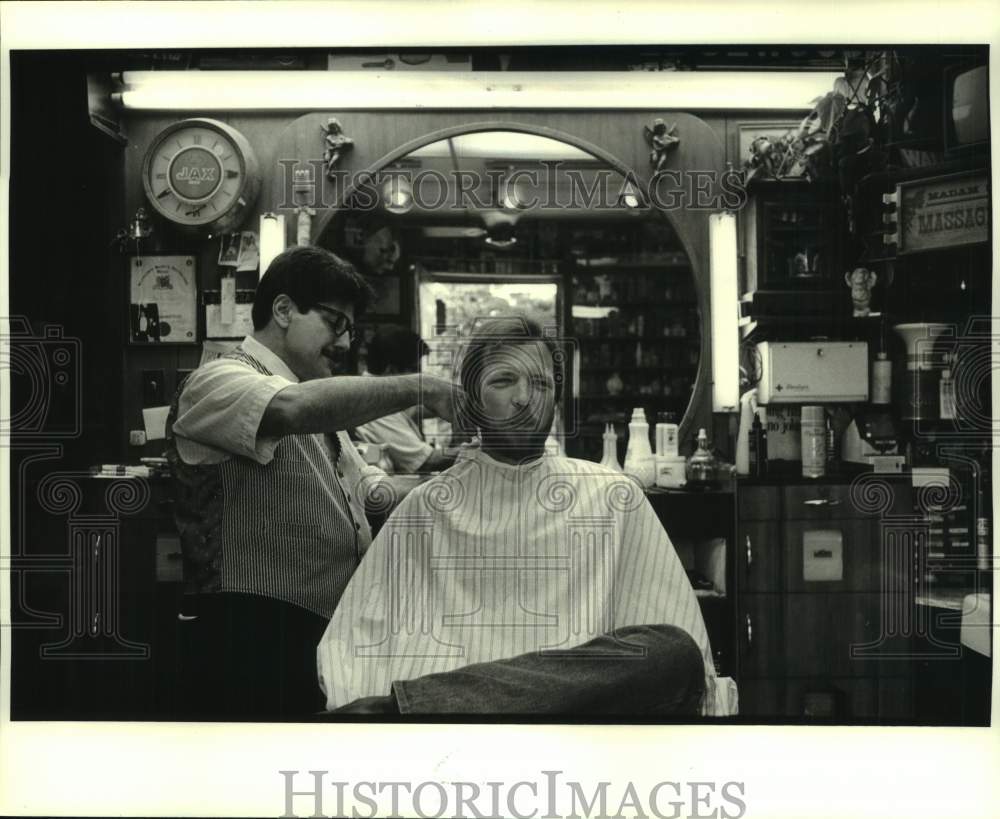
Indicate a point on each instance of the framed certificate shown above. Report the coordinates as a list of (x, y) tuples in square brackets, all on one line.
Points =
[(163, 300)]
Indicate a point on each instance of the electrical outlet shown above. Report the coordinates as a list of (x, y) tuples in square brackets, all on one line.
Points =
[(136, 437), (154, 393)]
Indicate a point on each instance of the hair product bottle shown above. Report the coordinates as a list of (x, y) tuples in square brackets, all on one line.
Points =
[(639, 456), (813, 442), (881, 379), (610, 459)]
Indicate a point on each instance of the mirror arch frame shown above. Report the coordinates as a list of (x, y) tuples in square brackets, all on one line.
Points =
[(615, 137)]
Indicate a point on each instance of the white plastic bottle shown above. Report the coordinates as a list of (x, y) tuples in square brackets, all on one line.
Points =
[(748, 405), (610, 459), (639, 461), (881, 379)]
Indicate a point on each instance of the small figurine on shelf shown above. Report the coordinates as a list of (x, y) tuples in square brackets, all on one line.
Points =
[(861, 281)]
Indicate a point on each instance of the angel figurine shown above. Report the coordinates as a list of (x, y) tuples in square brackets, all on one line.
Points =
[(661, 139), (337, 143)]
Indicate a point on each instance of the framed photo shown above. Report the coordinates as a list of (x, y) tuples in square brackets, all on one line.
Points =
[(220, 325), (163, 300), (747, 132)]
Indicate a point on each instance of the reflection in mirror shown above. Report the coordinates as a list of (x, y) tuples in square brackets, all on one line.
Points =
[(500, 222)]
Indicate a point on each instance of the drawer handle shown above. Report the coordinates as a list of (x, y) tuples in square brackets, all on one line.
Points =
[(821, 502), (749, 555), (749, 633)]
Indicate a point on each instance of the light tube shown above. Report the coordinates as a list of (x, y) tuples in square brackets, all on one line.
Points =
[(342, 90), (725, 306)]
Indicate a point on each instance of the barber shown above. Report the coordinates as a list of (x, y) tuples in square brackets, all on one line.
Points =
[(271, 492)]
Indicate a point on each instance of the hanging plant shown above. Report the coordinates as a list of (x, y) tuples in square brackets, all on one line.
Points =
[(827, 142)]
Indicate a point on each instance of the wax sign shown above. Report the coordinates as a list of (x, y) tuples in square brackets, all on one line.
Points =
[(947, 211)]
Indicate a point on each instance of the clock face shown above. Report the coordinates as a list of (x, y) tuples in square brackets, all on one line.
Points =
[(201, 173)]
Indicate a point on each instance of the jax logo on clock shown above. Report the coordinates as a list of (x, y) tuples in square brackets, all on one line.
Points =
[(195, 173)]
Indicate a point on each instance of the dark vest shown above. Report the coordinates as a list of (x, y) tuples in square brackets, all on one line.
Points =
[(281, 530)]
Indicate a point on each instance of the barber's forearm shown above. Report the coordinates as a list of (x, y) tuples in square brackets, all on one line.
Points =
[(341, 402)]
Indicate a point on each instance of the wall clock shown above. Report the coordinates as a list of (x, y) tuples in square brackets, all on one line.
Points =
[(201, 174)]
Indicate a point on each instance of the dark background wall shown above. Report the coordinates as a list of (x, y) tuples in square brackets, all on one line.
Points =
[(66, 204)]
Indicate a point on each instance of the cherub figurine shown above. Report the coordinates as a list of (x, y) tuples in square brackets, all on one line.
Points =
[(861, 280), (337, 143), (661, 139)]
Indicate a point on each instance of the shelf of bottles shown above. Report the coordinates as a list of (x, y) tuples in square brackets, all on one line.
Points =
[(635, 325)]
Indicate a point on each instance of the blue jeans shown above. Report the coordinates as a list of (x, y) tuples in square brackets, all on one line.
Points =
[(652, 670)]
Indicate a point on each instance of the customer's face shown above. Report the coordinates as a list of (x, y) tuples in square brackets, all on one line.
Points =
[(381, 252), (517, 394), (314, 348)]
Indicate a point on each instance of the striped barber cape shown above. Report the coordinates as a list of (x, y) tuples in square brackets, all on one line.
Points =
[(490, 560)]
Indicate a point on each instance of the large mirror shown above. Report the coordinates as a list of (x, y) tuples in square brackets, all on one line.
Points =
[(499, 222)]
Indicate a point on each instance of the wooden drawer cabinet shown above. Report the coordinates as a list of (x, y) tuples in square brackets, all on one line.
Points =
[(758, 502), (760, 556), (810, 605), (822, 632), (832, 699), (815, 553), (760, 635)]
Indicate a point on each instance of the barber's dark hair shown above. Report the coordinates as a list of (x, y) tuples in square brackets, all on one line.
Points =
[(309, 275), (489, 335), (397, 346)]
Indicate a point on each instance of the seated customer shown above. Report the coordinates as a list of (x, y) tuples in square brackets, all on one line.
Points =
[(397, 351), (518, 582)]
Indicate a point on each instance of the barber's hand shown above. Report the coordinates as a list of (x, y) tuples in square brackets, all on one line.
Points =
[(458, 438), (440, 398)]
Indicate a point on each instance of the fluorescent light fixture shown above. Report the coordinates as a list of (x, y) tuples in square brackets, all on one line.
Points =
[(361, 90), (499, 144), (725, 312), (272, 238)]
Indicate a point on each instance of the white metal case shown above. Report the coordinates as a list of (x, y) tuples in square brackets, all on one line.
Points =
[(813, 372)]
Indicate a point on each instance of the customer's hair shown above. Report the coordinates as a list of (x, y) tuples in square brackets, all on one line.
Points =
[(309, 275), (397, 346), (489, 335)]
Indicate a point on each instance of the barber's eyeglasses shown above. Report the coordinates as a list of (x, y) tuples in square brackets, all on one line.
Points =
[(338, 322)]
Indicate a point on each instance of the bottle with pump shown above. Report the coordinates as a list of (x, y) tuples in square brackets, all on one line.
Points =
[(639, 461), (610, 459), (701, 467)]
